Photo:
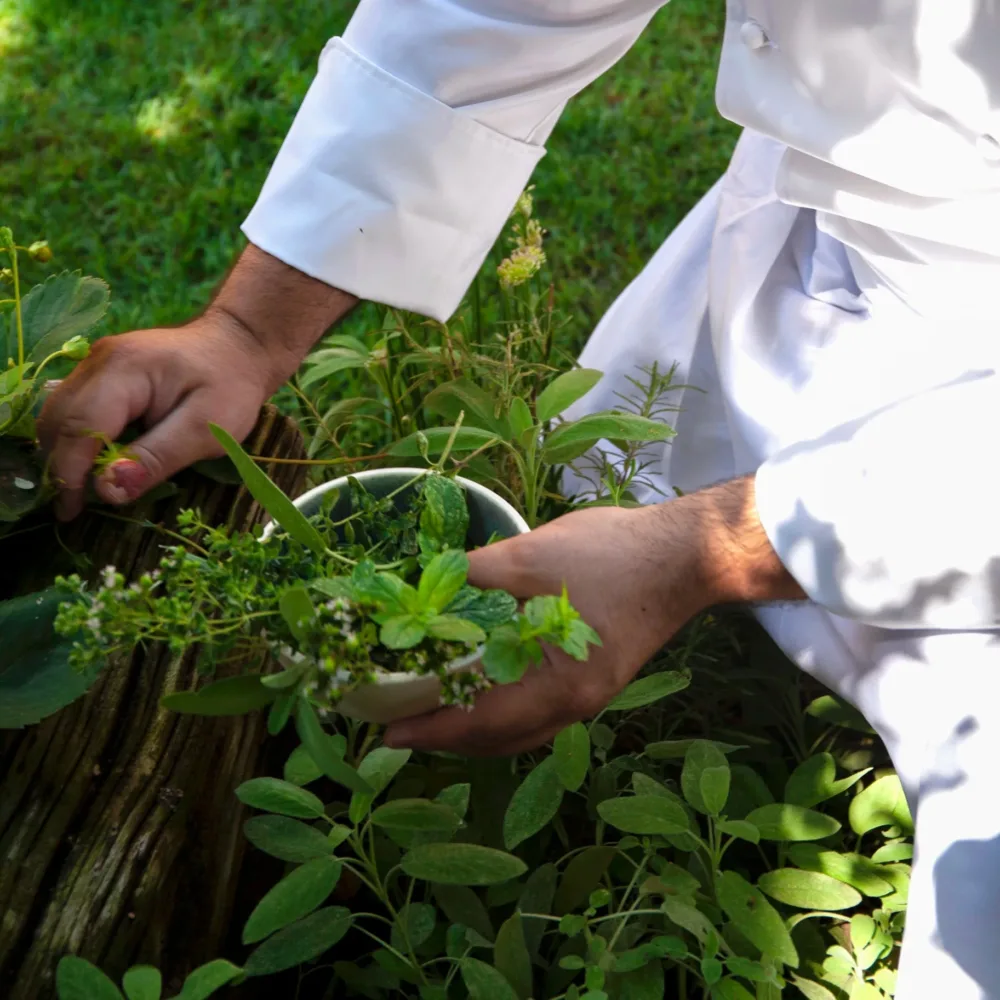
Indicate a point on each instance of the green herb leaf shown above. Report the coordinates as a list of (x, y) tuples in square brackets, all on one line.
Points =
[(143, 982), (815, 781), (882, 803), (402, 632), (506, 656), (416, 815), (537, 897), (444, 518), (650, 689), (330, 361), (301, 769), (300, 942), (484, 982), (322, 752), (852, 869), (268, 495), (461, 905), (62, 307), (583, 874), (677, 749), (571, 440), (811, 990), (463, 395), (437, 438), (378, 768), (511, 957), (533, 805), (77, 979), (297, 609), (563, 391), (835, 712), (571, 752), (485, 608), (208, 978), (730, 989), (755, 918), (521, 420), (782, 821), (385, 590), (442, 578), (232, 696), (450, 628), (461, 864), (295, 896), (415, 925), (705, 778), (276, 796), (808, 890), (740, 828), (644, 814), (287, 839)]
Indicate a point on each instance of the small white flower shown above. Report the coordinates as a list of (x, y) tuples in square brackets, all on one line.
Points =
[(94, 624), (341, 676), (109, 577)]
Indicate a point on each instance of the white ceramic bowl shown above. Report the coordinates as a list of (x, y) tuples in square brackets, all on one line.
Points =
[(399, 696)]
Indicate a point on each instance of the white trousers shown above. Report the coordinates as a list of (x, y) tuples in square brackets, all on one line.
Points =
[(742, 268)]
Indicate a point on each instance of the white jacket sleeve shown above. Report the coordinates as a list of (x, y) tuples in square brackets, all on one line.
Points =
[(421, 128), (894, 520)]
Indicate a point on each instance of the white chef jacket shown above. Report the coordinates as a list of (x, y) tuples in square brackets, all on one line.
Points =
[(426, 120)]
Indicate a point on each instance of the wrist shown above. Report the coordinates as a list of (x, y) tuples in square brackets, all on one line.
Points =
[(732, 558), (281, 311)]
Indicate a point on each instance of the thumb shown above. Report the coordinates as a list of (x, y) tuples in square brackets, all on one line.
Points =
[(508, 565), (180, 439)]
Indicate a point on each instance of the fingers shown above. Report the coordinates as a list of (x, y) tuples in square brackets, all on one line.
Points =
[(74, 419)]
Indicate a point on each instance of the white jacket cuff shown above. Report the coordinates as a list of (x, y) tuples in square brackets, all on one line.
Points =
[(892, 520), (371, 189)]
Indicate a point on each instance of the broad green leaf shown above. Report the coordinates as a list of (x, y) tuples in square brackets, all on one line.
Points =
[(644, 814), (782, 821), (451, 628), (570, 440), (300, 942), (295, 896), (484, 982), (672, 880), (444, 519), (463, 395), (882, 803), (269, 496), (862, 931), (378, 768), (865, 991), (811, 990), (329, 362), (287, 839), (564, 391), (582, 875), (467, 439), (416, 816), (571, 752), (755, 918), (893, 852), (835, 712), (143, 982), (461, 864), (461, 905), (485, 608), (677, 749), (533, 805), (521, 420), (808, 890), (647, 690), (644, 983), (705, 778), (297, 609), (505, 657), (851, 869), (442, 578), (815, 781), (64, 306), (537, 897), (686, 915), (208, 979), (231, 696), (402, 632), (300, 769), (77, 979), (511, 957), (386, 590), (414, 926), (282, 797), (456, 798), (318, 747), (740, 828), (36, 679), (730, 989)]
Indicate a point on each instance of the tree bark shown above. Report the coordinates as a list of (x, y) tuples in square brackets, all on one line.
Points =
[(120, 836)]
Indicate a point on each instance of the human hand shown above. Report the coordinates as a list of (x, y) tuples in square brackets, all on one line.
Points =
[(218, 369), (635, 576)]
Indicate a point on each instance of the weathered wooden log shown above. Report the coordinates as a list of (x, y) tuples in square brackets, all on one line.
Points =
[(120, 838)]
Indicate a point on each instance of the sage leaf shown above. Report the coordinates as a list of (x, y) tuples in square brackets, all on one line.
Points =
[(143, 982), (783, 821), (808, 890), (286, 838), (644, 815), (534, 804), (705, 778), (300, 942), (231, 696), (461, 864), (571, 752), (77, 979), (295, 896), (755, 918), (882, 803), (208, 979), (650, 689), (563, 391)]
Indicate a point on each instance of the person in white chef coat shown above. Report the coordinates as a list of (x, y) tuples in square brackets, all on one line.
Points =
[(832, 295)]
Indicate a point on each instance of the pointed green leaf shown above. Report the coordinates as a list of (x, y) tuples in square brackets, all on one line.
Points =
[(677, 749), (582, 875), (755, 918), (644, 814), (571, 751), (64, 306), (808, 890), (329, 362), (463, 395), (444, 519), (782, 821), (461, 864), (740, 828), (645, 983), (143, 982), (297, 609), (300, 769), (730, 989), (231, 696), (208, 979), (402, 632), (705, 778), (851, 869), (815, 781), (77, 979), (511, 957), (521, 420), (484, 982), (564, 391), (286, 838), (537, 897), (461, 905), (442, 578), (570, 440), (451, 628), (378, 768), (650, 689), (414, 926), (467, 439), (485, 608), (416, 815), (276, 796), (835, 712), (882, 803), (533, 805), (300, 942), (295, 896), (323, 753)]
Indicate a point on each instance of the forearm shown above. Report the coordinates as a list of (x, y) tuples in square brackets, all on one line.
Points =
[(281, 309)]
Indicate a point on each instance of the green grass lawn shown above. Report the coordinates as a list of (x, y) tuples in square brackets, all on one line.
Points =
[(136, 136)]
